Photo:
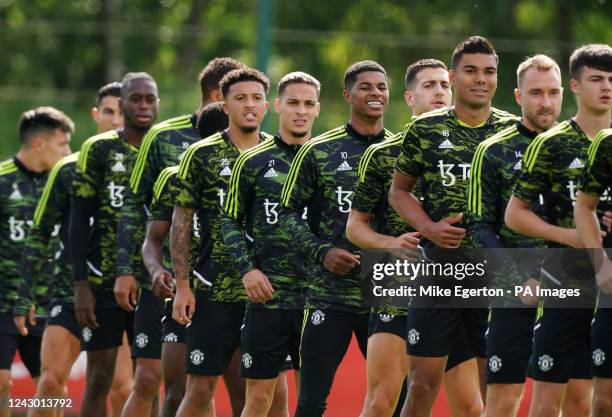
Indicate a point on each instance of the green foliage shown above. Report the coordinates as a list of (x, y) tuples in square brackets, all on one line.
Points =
[(57, 52)]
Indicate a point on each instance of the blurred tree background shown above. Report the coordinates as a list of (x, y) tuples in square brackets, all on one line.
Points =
[(59, 52)]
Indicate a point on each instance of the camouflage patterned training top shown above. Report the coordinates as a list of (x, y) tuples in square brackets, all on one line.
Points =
[(253, 200), (438, 147), (495, 168), (164, 193), (20, 189), (322, 179), (201, 185), (597, 176), (53, 210), (102, 178), (552, 166), (163, 146)]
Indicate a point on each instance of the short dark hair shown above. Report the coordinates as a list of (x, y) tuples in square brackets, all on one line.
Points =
[(111, 89), (350, 76), (212, 119), (42, 120), (241, 75), (413, 69), (298, 77), (213, 72), (597, 56), (472, 45), (131, 76)]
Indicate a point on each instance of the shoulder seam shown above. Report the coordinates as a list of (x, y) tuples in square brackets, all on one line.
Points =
[(192, 149)]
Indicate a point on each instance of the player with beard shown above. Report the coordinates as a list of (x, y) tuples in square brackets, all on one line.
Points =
[(551, 167), (217, 309), (437, 148), (103, 170), (495, 168)]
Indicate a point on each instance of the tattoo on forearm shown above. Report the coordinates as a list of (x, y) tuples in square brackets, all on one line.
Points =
[(180, 239)]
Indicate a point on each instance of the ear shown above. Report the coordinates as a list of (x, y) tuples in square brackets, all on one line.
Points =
[(318, 109), (575, 86), (215, 95), (94, 114), (452, 76), (517, 96), (347, 96), (409, 98), (225, 108), (277, 105)]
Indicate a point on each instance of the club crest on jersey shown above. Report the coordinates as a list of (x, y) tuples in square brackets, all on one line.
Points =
[(599, 357), (142, 340), (317, 317), (545, 363), (576, 164), (118, 166), (495, 363), (247, 360), (413, 336), (270, 173), (447, 144), (196, 357), (16, 194)]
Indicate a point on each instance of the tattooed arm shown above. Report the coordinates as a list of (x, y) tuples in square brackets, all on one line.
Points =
[(180, 238)]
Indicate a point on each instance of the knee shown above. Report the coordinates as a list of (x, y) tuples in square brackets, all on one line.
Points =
[(200, 394), (382, 403), (99, 380), (471, 409), (51, 382), (260, 400), (147, 382), (581, 406), (547, 409), (422, 390), (602, 406), (5, 386)]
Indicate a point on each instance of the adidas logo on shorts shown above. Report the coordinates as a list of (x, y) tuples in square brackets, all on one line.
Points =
[(196, 357), (545, 363), (142, 340), (495, 363), (599, 357)]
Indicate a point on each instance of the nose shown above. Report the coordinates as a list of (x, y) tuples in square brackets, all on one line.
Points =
[(546, 100), (480, 77)]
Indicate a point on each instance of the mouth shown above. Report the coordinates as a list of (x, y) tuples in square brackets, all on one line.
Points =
[(299, 122), (375, 104), (438, 103), (250, 116), (143, 118), (605, 98), (479, 91)]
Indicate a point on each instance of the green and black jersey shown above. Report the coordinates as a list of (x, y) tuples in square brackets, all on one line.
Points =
[(20, 190), (201, 185), (597, 176), (164, 193), (495, 168), (251, 227), (375, 176), (322, 179), (102, 178), (552, 167), (163, 146), (53, 210), (438, 148)]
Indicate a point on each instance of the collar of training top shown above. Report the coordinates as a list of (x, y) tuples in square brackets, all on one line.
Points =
[(366, 138), (25, 170), (525, 131), (291, 147)]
